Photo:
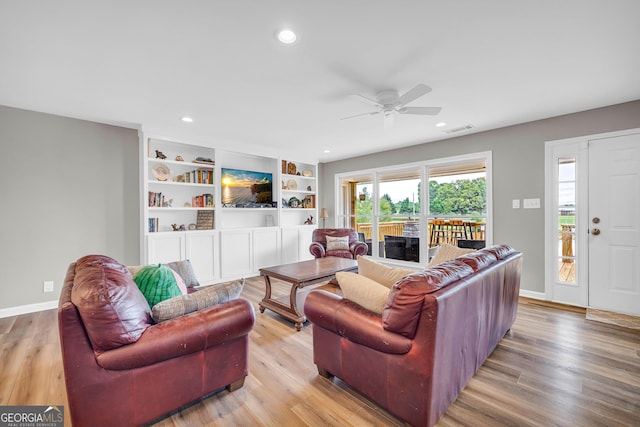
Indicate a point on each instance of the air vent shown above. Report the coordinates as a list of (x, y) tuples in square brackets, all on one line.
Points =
[(460, 129)]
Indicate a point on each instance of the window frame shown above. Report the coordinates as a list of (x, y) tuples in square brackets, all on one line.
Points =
[(423, 217)]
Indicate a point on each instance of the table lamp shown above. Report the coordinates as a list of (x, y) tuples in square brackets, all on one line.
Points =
[(324, 215)]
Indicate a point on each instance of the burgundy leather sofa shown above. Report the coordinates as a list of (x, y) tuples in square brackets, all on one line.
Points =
[(438, 327), (318, 246), (123, 370)]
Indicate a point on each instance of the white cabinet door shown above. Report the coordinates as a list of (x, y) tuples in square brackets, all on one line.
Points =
[(165, 247), (266, 248), (290, 245), (304, 241), (201, 250), (235, 252)]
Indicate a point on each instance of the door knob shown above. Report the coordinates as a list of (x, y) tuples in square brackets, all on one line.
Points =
[(595, 220), (595, 231)]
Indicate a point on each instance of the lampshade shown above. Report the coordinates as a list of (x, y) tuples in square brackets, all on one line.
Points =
[(324, 213)]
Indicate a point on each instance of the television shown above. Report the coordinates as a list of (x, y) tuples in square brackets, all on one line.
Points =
[(242, 188)]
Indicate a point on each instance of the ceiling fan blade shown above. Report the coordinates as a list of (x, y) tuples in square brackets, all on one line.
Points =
[(359, 115), (428, 111), (368, 100), (413, 94)]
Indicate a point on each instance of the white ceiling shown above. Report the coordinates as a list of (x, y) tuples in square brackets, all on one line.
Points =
[(491, 63)]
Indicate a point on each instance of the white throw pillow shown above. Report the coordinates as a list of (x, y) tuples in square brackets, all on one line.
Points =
[(381, 273), (447, 252), (337, 243), (363, 291)]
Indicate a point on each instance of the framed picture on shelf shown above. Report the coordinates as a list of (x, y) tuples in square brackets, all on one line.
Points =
[(205, 220)]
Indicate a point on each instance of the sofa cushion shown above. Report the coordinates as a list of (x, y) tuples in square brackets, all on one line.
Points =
[(206, 297), (340, 254), (447, 252), (478, 260), (185, 270), (404, 306), (500, 251), (113, 310), (337, 243), (363, 291), (381, 273), (156, 282)]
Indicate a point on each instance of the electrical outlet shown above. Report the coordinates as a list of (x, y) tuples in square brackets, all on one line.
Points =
[(47, 286)]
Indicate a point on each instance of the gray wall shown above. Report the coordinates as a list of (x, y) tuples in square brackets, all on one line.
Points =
[(67, 188), (518, 172)]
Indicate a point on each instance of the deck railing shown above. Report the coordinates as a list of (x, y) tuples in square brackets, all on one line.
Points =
[(396, 228)]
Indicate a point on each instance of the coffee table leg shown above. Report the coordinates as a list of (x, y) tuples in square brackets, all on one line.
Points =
[(294, 306), (267, 292)]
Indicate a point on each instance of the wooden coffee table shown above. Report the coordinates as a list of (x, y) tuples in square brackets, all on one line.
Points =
[(300, 275)]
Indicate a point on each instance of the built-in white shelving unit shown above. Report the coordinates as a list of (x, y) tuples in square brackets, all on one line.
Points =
[(229, 213)]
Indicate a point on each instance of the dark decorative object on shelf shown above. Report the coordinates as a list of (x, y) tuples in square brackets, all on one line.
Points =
[(160, 155), (294, 202), (291, 168), (309, 220), (177, 228), (205, 160)]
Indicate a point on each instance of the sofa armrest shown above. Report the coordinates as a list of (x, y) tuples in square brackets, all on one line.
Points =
[(183, 335), (358, 248), (317, 250), (349, 320)]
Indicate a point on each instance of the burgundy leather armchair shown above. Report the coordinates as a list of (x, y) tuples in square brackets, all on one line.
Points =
[(121, 369), (318, 246), (437, 328)]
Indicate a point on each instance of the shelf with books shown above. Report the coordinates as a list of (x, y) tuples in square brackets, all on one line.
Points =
[(179, 182)]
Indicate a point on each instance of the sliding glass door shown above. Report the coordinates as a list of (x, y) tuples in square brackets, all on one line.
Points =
[(404, 212)]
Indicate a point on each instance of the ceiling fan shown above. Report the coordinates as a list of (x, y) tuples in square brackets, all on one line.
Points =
[(389, 102)]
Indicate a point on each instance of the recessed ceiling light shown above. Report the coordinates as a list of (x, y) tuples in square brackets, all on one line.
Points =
[(286, 36), (441, 124), (326, 151), (187, 119)]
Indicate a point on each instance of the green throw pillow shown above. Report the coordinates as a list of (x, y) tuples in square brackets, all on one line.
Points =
[(156, 282)]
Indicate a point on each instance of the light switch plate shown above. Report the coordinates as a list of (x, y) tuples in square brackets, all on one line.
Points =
[(531, 203), (515, 203)]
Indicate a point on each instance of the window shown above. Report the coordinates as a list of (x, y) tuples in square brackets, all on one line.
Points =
[(566, 219)]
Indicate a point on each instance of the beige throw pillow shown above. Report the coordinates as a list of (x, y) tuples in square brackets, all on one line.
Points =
[(363, 291), (337, 243), (447, 252), (206, 297), (381, 273)]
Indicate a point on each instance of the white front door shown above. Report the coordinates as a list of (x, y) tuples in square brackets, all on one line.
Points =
[(614, 224)]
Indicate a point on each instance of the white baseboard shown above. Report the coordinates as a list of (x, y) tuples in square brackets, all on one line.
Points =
[(29, 308), (532, 294)]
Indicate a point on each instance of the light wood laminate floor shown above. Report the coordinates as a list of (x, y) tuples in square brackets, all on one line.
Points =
[(554, 368)]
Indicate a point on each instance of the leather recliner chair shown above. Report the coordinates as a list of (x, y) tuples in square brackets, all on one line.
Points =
[(319, 249), (121, 369)]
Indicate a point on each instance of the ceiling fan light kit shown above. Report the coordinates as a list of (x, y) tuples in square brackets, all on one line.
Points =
[(390, 102)]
